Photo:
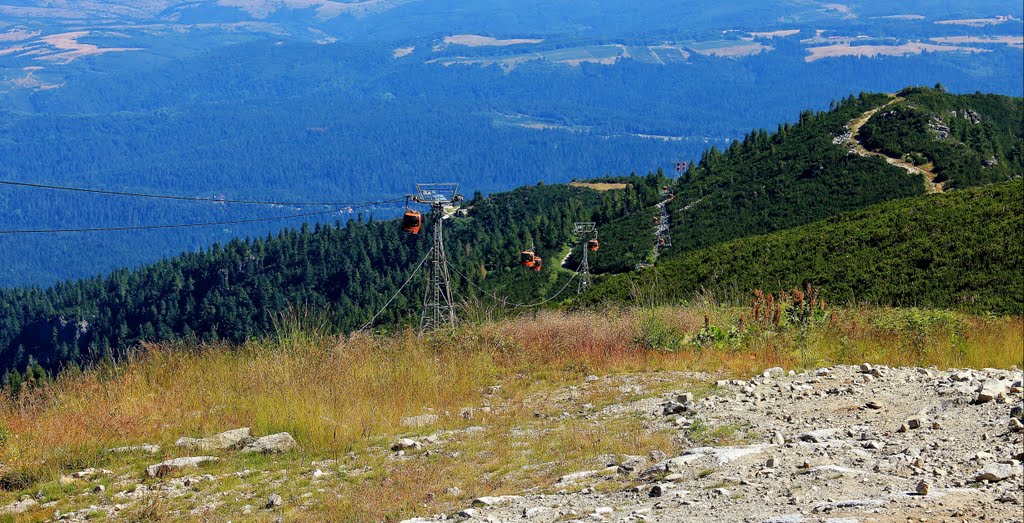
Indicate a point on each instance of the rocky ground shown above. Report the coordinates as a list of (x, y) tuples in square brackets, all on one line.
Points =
[(837, 444)]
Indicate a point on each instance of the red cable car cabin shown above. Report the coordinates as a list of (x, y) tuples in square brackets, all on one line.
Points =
[(528, 259), (538, 263), (594, 245), (412, 221)]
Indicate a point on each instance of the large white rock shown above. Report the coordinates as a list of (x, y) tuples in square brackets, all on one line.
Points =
[(274, 443)]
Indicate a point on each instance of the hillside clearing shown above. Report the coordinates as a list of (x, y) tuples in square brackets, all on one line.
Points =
[(597, 186)]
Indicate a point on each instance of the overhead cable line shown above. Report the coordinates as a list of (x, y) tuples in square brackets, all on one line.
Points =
[(399, 291), (504, 301), (166, 226), (190, 198)]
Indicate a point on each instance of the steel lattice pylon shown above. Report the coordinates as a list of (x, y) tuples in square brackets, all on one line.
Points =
[(438, 306), (581, 230)]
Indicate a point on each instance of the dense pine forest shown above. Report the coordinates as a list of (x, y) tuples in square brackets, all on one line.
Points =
[(805, 172)]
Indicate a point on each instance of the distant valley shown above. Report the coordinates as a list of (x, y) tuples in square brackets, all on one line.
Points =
[(357, 101)]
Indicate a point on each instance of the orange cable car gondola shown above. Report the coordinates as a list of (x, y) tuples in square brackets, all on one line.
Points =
[(594, 245), (528, 259), (412, 221), (538, 264)]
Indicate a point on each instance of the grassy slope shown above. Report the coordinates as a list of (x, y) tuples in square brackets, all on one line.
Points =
[(957, 250), (344, 399)]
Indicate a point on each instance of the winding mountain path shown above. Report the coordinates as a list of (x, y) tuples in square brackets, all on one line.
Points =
[(853, 128)]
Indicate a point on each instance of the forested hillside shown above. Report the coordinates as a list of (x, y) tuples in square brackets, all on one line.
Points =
[(965, 140), (961, 250), (807, 171), (236, 291), (925, 250)]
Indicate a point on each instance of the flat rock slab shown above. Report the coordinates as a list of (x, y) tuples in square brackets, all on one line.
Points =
[(272, 444), (171, 465), (850, 503), (724, 455), (18, 506), (819, 436), (145, 448), (225, 440)]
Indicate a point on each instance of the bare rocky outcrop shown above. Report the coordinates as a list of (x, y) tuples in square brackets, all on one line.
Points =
[(844, 443)]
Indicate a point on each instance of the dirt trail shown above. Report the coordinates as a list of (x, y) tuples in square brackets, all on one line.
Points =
[(926, 172)]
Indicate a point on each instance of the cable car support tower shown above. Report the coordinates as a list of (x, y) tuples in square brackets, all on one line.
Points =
[(582, 230), (438, 306)]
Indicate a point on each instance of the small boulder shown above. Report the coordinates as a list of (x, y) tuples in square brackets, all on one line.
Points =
[(671, 408), (406, 444), (990, 390), (998, 472), (923, 488), (225, 440), (1015, 425), (275, 500), (272, 444)]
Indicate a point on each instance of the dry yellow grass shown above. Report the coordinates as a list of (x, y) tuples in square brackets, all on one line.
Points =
[(337, 395)]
